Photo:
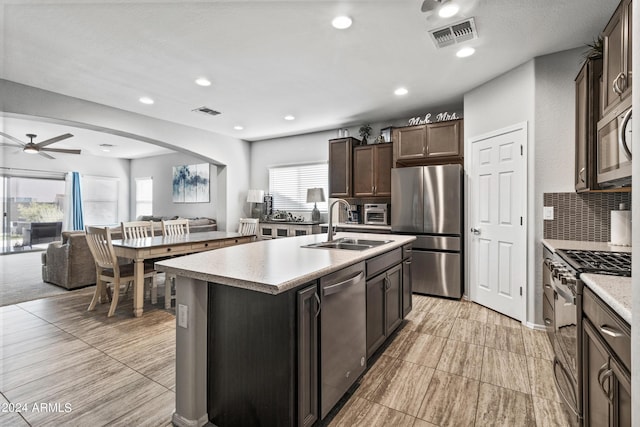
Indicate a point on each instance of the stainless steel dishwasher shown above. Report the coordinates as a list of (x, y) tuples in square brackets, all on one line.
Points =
[(343, 333)]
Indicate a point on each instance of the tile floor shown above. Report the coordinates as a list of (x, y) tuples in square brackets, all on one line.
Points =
[(456, 363), (117, 371), (451, 364)]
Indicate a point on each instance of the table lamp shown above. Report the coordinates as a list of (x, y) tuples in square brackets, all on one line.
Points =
[(315, 195), (256, 197)]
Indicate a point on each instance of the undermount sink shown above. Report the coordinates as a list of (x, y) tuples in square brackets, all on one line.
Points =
[(349, 244)]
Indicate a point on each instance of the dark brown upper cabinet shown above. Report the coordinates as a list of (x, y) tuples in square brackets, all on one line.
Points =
[(372, 170), (340, 166), (617, 70), (587, 116), (428, 144)]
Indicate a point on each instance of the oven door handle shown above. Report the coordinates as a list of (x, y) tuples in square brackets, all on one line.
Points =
[(560, 391), (568, 298)]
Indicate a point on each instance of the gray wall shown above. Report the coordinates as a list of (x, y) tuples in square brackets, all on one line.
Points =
[(540, 92), (160, 168), (22, 164), (230, 154), (309, 148), (504, 101)]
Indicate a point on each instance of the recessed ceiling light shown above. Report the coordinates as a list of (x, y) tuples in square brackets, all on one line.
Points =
[(201, 81), (448, 9), (341, 22), (146, 100), (465, 51), (401, 91), (238, 127), (289, 117)]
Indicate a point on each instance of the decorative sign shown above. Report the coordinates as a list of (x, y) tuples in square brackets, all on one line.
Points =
[(430, 118), (191, 183)]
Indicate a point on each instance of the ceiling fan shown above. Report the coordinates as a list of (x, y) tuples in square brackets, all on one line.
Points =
[(40, 147)]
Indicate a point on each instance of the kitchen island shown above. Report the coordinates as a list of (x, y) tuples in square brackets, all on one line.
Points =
[(248, 348)]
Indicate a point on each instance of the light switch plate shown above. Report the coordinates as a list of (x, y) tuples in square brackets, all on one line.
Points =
[(183, 315), (547, 212)]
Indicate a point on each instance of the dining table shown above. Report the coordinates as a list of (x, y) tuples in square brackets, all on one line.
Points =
[(156, 247)]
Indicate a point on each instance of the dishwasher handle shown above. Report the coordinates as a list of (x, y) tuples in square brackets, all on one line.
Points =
[(338, 287)]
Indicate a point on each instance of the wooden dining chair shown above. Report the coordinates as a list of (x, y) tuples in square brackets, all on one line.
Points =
[(141, 230), (175, 227), (108, 270), (172, 227), (248, 226), (136, 229)]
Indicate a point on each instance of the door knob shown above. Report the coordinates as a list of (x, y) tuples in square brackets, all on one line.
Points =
[(475, 231)]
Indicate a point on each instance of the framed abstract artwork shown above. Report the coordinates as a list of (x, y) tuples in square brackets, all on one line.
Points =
[(191, 183)]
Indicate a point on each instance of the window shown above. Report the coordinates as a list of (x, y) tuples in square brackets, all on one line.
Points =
[(144, 196), (289, 184), (100, 200)]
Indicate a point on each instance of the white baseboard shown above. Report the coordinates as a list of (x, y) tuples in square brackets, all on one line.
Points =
[(535, 326)]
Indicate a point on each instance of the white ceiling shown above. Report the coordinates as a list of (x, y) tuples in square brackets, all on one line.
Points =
[(267, 59)]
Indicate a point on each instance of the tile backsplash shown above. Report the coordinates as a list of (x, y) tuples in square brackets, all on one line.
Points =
[(582, 216)]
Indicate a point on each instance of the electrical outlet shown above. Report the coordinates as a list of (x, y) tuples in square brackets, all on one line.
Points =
[(547, 212), (183, 315)]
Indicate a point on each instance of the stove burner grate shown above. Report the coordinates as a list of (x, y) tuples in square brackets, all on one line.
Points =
[(618, 263)]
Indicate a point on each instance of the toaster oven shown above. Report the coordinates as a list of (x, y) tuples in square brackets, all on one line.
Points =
[(375, 214)]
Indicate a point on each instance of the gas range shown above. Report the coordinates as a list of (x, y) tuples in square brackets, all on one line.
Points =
[(598, 262)]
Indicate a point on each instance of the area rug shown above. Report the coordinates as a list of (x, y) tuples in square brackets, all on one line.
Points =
[(21, 279)]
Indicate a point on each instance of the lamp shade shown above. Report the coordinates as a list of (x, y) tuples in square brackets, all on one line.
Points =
[(315, 195), (255, 196)]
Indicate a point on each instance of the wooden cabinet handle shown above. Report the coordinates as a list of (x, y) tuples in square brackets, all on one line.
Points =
[(612, 332)]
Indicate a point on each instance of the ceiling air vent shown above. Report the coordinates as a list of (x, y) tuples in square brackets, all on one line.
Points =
[(207, 110), (453, 34)]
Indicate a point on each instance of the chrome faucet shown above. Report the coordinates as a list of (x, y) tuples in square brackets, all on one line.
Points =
[(330, 231)]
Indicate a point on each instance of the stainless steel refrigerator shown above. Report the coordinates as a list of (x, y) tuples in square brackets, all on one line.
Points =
[(427, 201)]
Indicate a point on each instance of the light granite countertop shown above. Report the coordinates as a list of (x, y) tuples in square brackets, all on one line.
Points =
[(614, 290), (277, 265)]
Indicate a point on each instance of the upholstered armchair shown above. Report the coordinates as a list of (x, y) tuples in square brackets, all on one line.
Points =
[(69, 263)]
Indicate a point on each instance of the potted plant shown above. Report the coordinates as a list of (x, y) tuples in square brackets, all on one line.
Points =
[(365, 131), (595, 49)]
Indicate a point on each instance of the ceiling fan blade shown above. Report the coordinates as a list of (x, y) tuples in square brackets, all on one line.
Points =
[(7, 145), (52, 140), (61, 150), (43, 154), (10, 138), (429, 5)]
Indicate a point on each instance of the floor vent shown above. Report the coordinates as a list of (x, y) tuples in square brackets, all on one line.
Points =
[(454, 34), (207, 110)]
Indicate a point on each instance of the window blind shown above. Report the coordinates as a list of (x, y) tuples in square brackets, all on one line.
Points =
[(289, 184), (144, 196), (100, 200)]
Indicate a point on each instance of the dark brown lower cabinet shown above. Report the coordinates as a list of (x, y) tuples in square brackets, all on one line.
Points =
[(407, 289), (384, 306), (262, 357), (606, 383), (308, 306), (375, 313)]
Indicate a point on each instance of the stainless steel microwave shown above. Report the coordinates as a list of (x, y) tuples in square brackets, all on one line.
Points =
[(614, 147)]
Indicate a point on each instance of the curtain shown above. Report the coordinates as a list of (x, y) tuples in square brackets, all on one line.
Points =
[(76, 202)]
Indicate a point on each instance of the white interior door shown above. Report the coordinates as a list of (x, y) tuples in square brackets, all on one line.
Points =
[(497, 234)]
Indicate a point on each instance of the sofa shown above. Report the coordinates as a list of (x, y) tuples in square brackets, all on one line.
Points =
[(69, 263), (41, 232)]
